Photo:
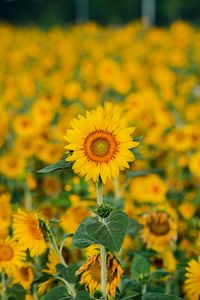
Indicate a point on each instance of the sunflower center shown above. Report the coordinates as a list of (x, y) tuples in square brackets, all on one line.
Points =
[(24, 272), (158, 227), (95, 272), (6, 253), (100, 146)]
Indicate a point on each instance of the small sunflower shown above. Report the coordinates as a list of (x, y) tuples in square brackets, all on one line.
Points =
[(100, 144), (23, 275), (53, 260), (28, 232), (11, 255), (159, 230), (90, 273), (192, 281)]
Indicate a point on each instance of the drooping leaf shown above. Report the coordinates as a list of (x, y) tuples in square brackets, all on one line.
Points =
[(110, 234), (158, 296), (61, 164), (140, 266)]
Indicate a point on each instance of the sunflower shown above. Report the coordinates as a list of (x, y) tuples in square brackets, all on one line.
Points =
[(53, 260), (23, 275), (159, 230), (90, 273), (71, 219), (28, 232), (100, 144), (11, 255), (192, 281)]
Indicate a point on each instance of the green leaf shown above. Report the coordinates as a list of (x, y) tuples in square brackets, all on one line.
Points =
[(82, 295), (16, 292), (132, 174), (58, 293), (158, 296), (131, 296), (158, 274), (140, 266), (67, 273), (110, 234), (61, 164)]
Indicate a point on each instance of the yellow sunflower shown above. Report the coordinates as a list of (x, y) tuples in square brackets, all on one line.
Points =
[(53, 260), (90, 273), (28, 232), (23, 275), (192, 281), (159, 230), (11, 255), (100, 144)]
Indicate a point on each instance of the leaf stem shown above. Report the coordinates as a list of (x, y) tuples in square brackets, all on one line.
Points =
[(99, 193)]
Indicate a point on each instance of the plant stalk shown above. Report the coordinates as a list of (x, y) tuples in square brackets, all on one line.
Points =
[(99, 193), (3, 282)]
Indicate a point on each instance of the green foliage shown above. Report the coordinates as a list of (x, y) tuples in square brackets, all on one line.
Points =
[(61, 293), (61, 164), (158, 275), (158, 296), (57, 293), (16, 292), (140, 267), (68, 273), (110, 234)]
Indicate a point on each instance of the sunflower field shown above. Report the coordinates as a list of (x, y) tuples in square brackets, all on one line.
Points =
[(100, 162)]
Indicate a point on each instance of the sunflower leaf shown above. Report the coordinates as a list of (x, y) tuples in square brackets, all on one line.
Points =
[(158, 274), (58, 293), (61, 164), (109, 234), (158, 296), (140, 266)]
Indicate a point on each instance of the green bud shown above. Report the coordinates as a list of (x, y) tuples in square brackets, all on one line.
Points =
[(45, 230), (104, 210)]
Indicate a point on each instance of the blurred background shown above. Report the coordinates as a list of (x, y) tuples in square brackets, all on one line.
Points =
[(60, 12)]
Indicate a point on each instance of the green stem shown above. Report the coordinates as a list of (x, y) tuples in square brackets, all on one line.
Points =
[(28, 198), (117, 190), (3, 282), (144, 288), (70, 286), (99, 192)]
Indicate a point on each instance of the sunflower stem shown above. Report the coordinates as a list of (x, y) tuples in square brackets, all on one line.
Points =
[(28, 198), (3, 291), (99, 192), (144, 288)]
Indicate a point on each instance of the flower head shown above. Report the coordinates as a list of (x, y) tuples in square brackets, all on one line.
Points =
[(193, 279), (100, 144), (90, 273), (11, 255), (159, 230), (28, 232)]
